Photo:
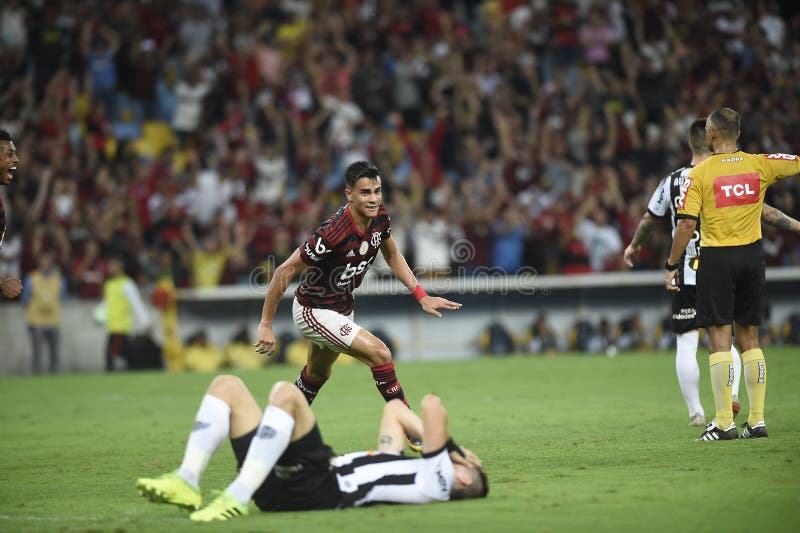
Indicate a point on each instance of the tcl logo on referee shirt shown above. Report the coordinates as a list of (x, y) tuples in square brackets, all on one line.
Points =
[(739, 189)]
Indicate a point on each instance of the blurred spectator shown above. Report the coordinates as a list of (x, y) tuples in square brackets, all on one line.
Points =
[(431, 237), (509, 239), (631, 334), (202, 355), (43, 291), (601, 239), (99, 44), (138, 117), (541, 337), (496, 340), (122, 310)]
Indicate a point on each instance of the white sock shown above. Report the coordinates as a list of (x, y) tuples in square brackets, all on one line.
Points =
[(270, 441), (737, 373), (211, 426), (688, 371)]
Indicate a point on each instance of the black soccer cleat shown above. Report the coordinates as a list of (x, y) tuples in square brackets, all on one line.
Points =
[(713, 433), (759, 431)]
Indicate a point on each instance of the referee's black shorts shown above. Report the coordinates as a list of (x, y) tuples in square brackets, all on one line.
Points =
[(730, 282)]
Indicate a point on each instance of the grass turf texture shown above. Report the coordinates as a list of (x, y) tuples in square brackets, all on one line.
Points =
[(569, 443)]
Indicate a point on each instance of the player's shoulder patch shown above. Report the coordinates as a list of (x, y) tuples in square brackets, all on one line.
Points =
[(781, 157)]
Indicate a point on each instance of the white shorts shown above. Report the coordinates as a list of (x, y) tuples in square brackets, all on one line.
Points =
[(324, 327)]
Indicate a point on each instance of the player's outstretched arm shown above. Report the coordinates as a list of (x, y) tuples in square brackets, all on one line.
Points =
[(398, 264), (281, 278), (643, 230), (779, 219)]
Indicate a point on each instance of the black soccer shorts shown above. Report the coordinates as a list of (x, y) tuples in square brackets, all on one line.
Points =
[(730, 283), (303, 479), (684, 310)]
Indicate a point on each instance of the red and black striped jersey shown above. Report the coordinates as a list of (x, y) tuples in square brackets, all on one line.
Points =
[(339, 256)]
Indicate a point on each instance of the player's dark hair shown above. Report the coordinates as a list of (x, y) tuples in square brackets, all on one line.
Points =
[(358, 170), (725, 122), (697, 136), (479, 487), (5, 136)]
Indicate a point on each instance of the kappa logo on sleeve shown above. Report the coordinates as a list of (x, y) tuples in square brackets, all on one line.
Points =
[(739, 189)]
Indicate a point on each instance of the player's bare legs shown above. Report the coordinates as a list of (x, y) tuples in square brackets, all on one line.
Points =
[(227, 409), (369, 349), (317, 370), (365, 347), (286, 419), (288, 398), (755, 379), (245, 412)]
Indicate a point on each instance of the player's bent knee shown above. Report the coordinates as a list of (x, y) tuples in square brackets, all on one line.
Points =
[(226, 386), (285, 393), (383, 355), (430, 400)]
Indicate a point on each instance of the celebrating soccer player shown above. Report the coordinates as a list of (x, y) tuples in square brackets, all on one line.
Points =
[(10, 287), (335, 259)]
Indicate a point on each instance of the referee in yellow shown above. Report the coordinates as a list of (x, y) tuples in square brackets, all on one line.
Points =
[(727, 192)]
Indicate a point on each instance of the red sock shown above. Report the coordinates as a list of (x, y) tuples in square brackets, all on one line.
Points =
[(308, 386), (386, 381)]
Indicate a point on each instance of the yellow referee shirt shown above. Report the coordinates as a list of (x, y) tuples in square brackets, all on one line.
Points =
[(727, 192)]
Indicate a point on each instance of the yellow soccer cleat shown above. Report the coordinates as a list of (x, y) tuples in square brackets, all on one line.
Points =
[(415, 445), (170, 488), (223, 507)]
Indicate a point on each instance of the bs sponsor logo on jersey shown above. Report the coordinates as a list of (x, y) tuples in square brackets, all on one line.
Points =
[(739, 189), (319, 250), (350, 270)]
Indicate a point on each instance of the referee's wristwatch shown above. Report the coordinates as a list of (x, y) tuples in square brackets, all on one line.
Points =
[(670, 266)]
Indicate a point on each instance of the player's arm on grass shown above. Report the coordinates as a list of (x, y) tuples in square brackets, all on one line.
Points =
[(643, 231), (281, 278), (779, 219), (398, 264)]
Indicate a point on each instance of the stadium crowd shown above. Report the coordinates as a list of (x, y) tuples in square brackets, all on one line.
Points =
[(207, 137)]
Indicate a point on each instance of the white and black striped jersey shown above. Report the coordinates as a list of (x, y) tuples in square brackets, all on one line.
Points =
[(378, 477), (664, 202)]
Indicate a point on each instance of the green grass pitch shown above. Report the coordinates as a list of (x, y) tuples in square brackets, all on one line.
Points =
[(570, 443)]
